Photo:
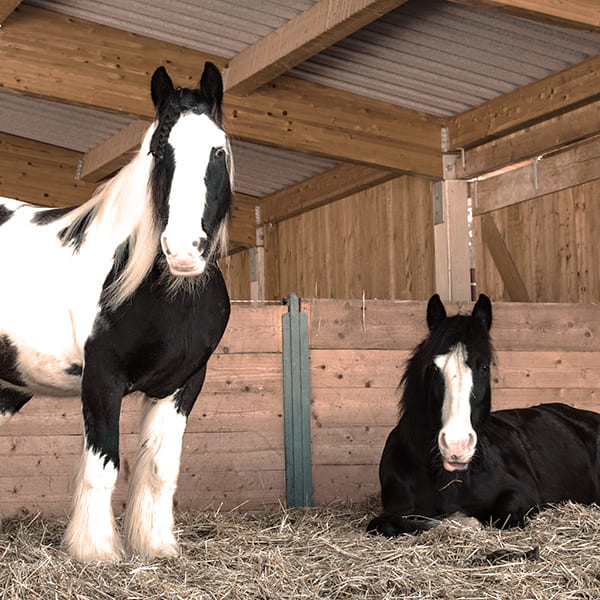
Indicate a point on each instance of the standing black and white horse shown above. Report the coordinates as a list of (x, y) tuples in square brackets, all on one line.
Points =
[(449, 453), (124, 294)]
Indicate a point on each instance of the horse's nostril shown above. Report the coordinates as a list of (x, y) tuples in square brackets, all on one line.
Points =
[(200, 244)]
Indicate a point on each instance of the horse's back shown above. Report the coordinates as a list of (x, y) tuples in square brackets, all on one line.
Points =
[(554, 445)]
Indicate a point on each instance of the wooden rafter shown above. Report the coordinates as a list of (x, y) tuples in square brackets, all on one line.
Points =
[(336, 183), (314, 30), (573, 166), (43, 174), (528, 105), (7, 7), (578, 124), (62, 64), (113, 153), (579, 14)]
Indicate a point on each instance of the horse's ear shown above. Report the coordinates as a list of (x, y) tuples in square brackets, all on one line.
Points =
[(161, 87), (211, 87), (436, 312), (482, 311)]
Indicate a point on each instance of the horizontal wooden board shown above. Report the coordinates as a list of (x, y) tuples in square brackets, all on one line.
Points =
[(253, 328), (401, 325)]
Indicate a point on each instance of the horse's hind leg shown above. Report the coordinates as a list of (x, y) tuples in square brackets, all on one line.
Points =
[(149, 513), (91, 533)]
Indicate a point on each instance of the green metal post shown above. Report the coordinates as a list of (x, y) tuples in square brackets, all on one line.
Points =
[(296, 405)]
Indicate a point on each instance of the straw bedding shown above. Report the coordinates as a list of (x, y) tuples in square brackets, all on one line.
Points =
[(318, 553)]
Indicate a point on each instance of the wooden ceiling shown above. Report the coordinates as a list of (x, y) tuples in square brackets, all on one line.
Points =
[(52, 56)]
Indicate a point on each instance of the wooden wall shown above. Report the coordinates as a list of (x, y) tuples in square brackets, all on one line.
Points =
[(379, 241), (233, 450), (553, 241)]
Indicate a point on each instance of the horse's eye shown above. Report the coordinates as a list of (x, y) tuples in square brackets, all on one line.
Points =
[(485, 368), (219, 152)]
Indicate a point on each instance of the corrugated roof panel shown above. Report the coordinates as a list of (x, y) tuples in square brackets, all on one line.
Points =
[(219, 27), (442, 58), (72, 127), (259, 170)]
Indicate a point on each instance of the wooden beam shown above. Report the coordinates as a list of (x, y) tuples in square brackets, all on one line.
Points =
[(113, 153), (314, 30), (242, 228), (573, 166), (49, 55), (526, 106), (502, 258), (336, 183), (575, 125), (40, 174), (577, 14), (7, 7), (45, 175)]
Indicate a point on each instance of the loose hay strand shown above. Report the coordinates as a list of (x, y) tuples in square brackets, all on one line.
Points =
[(319, 553)]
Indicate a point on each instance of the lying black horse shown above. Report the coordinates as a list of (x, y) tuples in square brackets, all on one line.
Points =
[(449, 453)]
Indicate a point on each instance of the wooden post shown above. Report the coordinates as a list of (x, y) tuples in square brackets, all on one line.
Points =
[(451, 236), (257, 261), (296, 405)]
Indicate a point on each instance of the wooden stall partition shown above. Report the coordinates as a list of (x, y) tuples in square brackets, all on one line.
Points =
[(544, 353), (232, 449), (553, 243), (378, 241)]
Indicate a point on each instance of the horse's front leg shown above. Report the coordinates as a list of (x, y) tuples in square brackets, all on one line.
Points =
[(149, 513), (91, 533)]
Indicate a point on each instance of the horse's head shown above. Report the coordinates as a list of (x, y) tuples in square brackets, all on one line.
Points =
[(460, 352), (191, 184)]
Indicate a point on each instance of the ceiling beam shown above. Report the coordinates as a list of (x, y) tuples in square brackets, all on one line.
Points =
[(526, 106), (577, 14), (7, 7), (113, 153), (314, 30), (49, 55), (549, 135), (336, 183), (576, 165), (40, 173), (43, 174)]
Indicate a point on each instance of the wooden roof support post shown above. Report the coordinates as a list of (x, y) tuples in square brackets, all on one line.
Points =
[(451, 236)]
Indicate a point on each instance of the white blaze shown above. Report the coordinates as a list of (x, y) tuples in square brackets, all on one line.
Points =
[(192, 138), (457, 439)]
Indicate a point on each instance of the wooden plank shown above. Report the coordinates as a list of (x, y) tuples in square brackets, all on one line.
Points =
[(504, 262), (344, 483), (7, 7), (307, 34), (576, 165), (547, 369), (577, 14), (253, 328), (54, 56), (344, 369), (339, 182), (575, 125), (113, 153), (586, 398), (398, 325), (527, 105), (40, 174)]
